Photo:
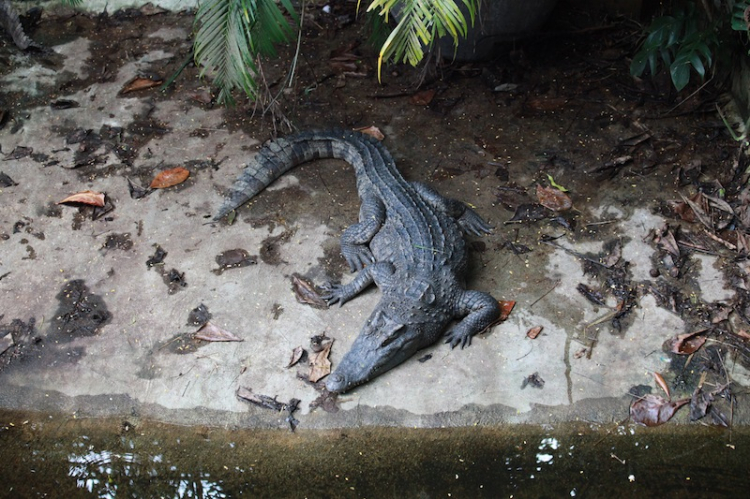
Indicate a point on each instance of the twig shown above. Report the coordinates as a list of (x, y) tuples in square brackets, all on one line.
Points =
[(557, 282)]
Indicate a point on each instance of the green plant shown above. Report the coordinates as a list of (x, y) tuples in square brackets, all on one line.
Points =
[(231, 35), (688, 40)]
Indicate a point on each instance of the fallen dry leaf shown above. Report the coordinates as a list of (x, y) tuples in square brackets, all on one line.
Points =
[(140, 83), (372, 131), (321, 366), (662, 384), (210, 332), (505, 309), (546, 103), (169, 178), (86, 197), (685, 344), (424, 97), (554, 199), (653, 410), (297, 355), (305, 292), (534, 332)]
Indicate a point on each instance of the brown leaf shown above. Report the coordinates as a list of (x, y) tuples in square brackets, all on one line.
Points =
[(372, 131), (169, 178), (685, 344), (653, 410), (546, 103), (721, 313), (140, 83), (305, 292), (424, 97), (743, 334), (668, 242), (554, 199), (340, 66), (505, 309), (86, 197), (662, 384), (261, 400), (534, 332), (210, 332), (297, 355), (321, 366), (614, 254)]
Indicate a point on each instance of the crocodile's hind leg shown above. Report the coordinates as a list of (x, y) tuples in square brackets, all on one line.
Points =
[(357, 236), (469, 220), (480, 311)]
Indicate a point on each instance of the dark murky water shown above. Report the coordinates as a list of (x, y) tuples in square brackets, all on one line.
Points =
[(56, 456)]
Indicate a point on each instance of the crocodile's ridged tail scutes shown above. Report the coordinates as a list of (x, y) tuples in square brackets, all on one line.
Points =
[(10, 22), (277, 157)]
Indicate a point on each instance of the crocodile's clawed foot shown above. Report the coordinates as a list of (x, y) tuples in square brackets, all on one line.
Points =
[(333, 293), (472, 223), (358, 258), (455, 338)]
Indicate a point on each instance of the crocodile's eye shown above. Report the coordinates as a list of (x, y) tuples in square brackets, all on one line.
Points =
[(391, 333)]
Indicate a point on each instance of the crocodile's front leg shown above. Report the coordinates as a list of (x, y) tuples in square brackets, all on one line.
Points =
[(341, 293), (357, 236), (480, 309)]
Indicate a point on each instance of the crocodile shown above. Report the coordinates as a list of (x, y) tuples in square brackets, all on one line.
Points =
[(409, 241)]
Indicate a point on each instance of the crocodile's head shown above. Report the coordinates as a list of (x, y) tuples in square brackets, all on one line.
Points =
[(385, 342)]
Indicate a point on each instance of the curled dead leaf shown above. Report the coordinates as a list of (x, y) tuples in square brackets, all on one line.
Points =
[(321, 366), (210, 332), (653, 410), (662, 383), (424, 97), (306, 293), (85, 197), (534, 332), (685, 344), (554, 199), (297, 355), (140, 83), (372, 131), (505, 309), (169, 178)]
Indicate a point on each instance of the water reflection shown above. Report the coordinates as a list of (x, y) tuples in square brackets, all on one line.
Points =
[(107, 474), (105, 459)]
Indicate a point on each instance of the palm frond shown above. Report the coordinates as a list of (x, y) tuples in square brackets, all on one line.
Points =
[(420, 22), (231, 34)]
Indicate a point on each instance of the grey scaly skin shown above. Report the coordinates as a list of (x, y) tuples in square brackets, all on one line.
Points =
[(409, 241), (9, 20)]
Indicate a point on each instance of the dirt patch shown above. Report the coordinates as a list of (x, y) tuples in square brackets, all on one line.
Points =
[(80, 313)]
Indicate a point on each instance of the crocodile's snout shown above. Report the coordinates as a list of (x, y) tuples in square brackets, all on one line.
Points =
[(336, 383)]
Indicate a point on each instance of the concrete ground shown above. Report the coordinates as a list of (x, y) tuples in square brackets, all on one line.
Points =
[(101, 332)]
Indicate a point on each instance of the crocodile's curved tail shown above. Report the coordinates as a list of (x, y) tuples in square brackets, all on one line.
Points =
[(282, 154), (9, 20)]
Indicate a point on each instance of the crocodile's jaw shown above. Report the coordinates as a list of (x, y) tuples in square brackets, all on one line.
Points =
[(378, 350)]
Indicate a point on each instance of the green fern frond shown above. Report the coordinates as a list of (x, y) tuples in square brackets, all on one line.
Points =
[(231, 34), (420, 22)]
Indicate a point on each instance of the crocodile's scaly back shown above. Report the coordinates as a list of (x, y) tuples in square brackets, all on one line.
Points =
[(409, 241)]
